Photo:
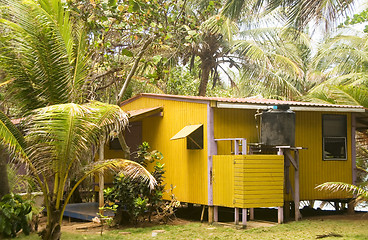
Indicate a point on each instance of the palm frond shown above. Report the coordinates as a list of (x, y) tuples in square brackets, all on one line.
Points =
[(128, 168), (63, 134), (361, 193), (11, 138), (43, 52)]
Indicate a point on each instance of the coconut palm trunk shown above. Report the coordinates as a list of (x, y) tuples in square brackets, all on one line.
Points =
[(206, 67)]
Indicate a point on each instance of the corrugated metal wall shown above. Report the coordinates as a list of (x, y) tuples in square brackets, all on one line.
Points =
[(237, 123), (314, 170), (186, 169), (248, 181), (234, 123)]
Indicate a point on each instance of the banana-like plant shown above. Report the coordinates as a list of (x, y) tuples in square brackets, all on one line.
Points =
[(59, 141)]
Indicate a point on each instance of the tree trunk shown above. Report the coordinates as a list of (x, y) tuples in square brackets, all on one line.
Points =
[(134, 68), (53, 228), (205, 69), (124, 146), (4, 183)]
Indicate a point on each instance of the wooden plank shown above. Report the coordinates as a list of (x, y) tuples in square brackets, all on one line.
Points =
[(257, 179), (259, 167), (257, 192), (244, 217), (259, 197), (261, 188), (257, 170), (261, 162), (258, 204), (254, 189), (236, 216), (292, 160), (250, 183), (280, 215), (259, 174), (257, 157)]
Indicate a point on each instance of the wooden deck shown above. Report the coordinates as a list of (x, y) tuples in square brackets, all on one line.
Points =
[(84, 211)]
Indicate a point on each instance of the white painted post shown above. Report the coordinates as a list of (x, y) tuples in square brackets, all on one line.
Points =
[(236, 216), (244, 217), (353, 147), (236, 147), (101, 182), (215, 214), (280, 217), (244, 146)]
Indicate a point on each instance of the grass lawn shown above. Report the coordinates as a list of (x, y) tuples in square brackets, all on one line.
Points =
[(306, 229)]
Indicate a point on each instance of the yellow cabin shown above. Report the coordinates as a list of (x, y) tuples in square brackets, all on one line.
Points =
[(218, 152)]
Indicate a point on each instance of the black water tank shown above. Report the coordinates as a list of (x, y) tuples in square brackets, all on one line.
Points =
[(278, 126)]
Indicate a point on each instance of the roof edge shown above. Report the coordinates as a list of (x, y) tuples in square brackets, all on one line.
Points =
[(251, 103)]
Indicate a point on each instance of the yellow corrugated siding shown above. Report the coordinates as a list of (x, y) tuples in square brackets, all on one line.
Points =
[(240, 123), (234, 123), (313, 170), (223, 180), (248, 181), (185, 169)]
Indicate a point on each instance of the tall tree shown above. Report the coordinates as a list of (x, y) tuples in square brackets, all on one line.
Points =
[(286, 71), (344, 60)]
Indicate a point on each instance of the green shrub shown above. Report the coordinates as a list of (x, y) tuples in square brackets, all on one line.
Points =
[(134, 198), (13, 215)]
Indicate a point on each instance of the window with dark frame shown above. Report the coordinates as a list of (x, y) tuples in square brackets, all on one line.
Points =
[(334, 132), (195, 139)]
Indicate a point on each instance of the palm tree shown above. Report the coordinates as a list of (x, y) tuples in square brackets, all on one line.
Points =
[(58, 139), (360, 192), (216, 42), (8, 131), (298, 13), (343, 59), (278, 63), (43, 54)]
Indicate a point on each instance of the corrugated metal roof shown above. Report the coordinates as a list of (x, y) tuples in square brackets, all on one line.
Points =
[(249, 100)]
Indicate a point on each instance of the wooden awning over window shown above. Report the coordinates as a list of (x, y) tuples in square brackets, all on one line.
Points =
[(186, 131), (139, 114)]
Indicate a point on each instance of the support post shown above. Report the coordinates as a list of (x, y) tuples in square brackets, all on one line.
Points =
[(287, 206), (236, 147), (101, 182), (351, 207), (280, 215), (244, 146), (296, 187), (244, 217), (353, 148), (215, 214), (236, 216), (210, 214), (251, 213)]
